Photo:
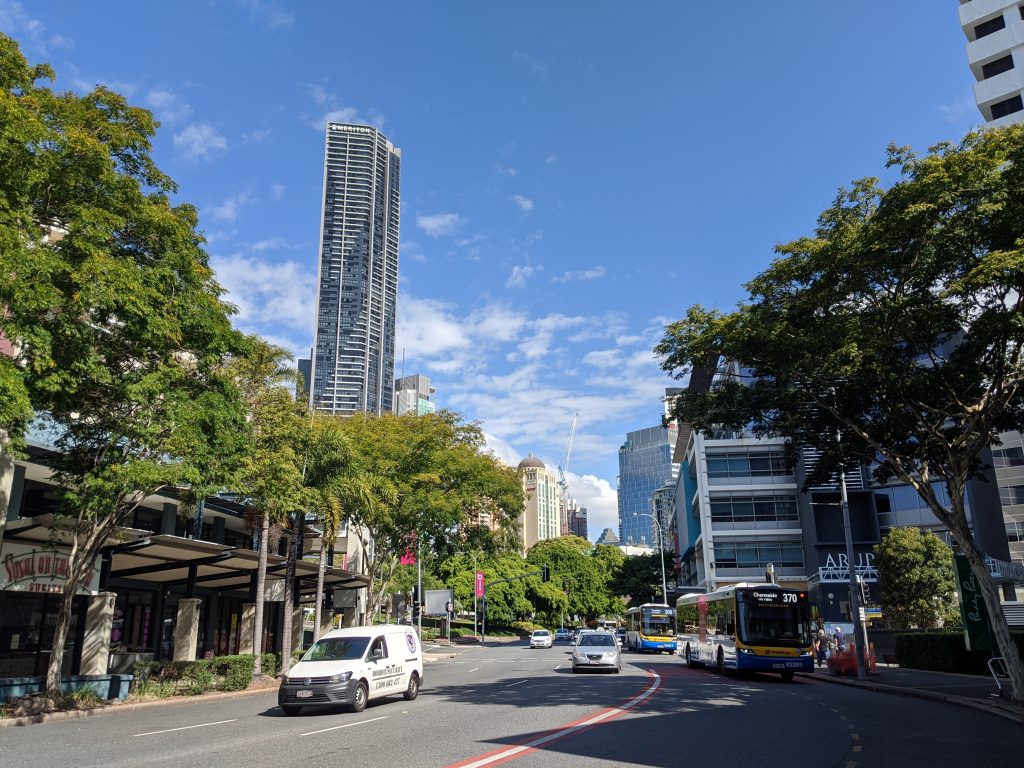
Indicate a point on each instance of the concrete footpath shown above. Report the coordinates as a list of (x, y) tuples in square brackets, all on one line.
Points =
[(973, 691)]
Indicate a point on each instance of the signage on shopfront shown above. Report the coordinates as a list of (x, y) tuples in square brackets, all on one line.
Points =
[(837, 568), (977, 630), (25, 568)]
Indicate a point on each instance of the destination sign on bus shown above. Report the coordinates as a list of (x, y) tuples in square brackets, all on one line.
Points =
[(771, 596)]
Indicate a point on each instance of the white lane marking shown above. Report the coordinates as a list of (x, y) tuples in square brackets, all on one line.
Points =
[(474, 669), (517, 682), (187, 727), (599, 718), (347, 725)]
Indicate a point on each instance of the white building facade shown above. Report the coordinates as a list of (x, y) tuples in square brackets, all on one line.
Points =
[(995, 53)]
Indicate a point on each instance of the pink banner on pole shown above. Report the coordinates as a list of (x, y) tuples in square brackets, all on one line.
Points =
[(408, 558), (479, 583)]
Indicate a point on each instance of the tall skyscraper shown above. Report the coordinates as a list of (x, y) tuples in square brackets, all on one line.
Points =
[(357, 279), (541, 496), (645, 464), (995, 52)]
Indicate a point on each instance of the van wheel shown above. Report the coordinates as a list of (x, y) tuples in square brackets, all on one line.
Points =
[(290, 709), (359, 697), (413, 689), (721, 662)]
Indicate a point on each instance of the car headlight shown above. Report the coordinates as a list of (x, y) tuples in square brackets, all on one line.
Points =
[(344, 677), (746, 651), (578, 655), (609, 655)]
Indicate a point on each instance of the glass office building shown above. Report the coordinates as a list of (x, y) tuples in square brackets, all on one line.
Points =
[(645, 465), (357, 280)]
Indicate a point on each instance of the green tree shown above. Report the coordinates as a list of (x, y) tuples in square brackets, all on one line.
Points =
[(270, 461), (108, 298), (891, 338), (574, 576), (438, 473), (918, 582), (639, 578)]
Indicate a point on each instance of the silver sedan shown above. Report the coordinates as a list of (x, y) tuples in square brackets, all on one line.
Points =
[(596, 650)]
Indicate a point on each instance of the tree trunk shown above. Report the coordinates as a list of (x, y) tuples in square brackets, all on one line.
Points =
[(996, 617), (60, 631), (261, 582), (321, 569)]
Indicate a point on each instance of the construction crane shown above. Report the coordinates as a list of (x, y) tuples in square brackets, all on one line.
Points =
[(563, 484)]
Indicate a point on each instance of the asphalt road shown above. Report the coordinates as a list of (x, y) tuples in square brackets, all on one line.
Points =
[(510, 704)]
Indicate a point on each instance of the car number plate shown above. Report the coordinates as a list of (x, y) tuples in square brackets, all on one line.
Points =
[(303, 694)]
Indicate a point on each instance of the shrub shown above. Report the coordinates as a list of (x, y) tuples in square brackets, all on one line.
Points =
[(269, 663), (525, 628), (153, 688), (944, 652), (197, 678), (236, 670), (81, 698)]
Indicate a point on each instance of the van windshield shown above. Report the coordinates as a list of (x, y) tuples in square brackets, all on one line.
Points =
[(337, 649)]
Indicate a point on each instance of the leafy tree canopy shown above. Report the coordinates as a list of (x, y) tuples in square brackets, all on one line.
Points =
[(897, 326), (918, 581)]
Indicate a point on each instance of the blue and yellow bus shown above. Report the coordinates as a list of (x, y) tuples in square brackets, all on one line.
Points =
[(651, 627), (747, 628)]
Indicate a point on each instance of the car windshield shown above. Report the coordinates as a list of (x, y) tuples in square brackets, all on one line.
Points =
[(771, 625), (597, 640), (541, 633), (337, 649)]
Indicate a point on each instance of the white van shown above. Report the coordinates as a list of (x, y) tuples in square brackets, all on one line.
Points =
[(351, 666)]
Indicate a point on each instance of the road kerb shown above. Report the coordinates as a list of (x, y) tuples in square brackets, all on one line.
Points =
[(1008, 712)]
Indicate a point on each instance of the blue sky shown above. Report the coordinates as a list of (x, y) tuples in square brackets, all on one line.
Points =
[(575, 174)]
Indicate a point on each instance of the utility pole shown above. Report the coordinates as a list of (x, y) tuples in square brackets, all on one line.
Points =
[(859, 638), (661, 554), (419, 589)]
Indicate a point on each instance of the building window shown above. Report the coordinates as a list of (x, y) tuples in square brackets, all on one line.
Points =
[(988, 27), (1013, 494), (1007, 107), (1008, 457), (758, 554), (747, 464), (753, 509), (1021, 9), (996, 67), (1014, 531)]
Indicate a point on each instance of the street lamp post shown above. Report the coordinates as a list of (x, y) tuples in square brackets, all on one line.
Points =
[(661, 553)]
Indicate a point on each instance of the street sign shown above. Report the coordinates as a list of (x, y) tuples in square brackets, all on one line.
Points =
[(977, 632)]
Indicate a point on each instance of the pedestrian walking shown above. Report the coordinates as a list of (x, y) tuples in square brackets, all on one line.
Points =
[(821, 647), (839, 638)]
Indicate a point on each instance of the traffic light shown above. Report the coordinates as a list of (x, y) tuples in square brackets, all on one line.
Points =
[(863, 587), (448, 607), (546, 573), (416, 595)]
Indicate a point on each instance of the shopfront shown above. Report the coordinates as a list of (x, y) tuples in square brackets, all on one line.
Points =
[(33, 576)]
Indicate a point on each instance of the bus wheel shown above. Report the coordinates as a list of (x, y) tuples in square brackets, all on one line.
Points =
[(787, 676), (721, 662)]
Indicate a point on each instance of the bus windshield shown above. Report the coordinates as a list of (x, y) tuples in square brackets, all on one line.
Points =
[(662, 626), (775, 625)]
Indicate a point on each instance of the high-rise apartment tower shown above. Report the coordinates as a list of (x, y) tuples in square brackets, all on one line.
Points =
[(357, 279), (995, 52)]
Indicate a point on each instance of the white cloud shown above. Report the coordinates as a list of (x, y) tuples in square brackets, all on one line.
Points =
[(427, 328), (337, 111), (439, 224), (540, 334), (276, 244), (955, 111), (230, 208), (168, 107), (268, 294), (497, 322), (259, 136), (267, 14), (16, 22), (520, 274), (413, 250), (552, 158), (501, 449), (532, 65), (587, 274), (200, 141), (524, 203), (504, 170), (600, 499), (277, 191)]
